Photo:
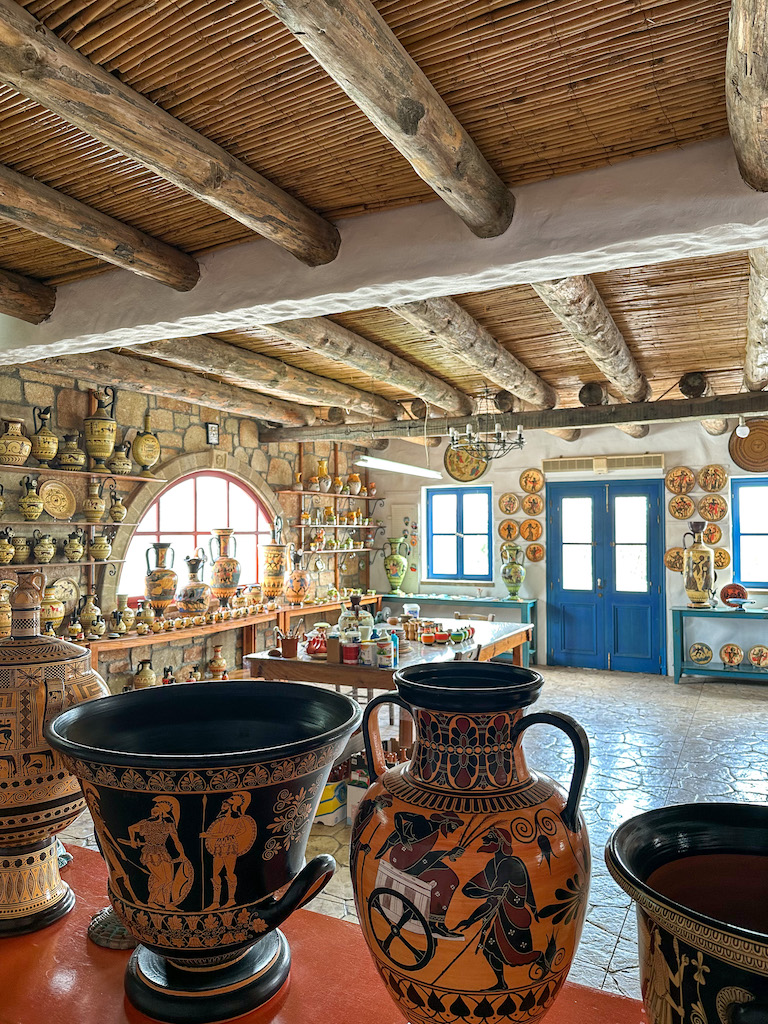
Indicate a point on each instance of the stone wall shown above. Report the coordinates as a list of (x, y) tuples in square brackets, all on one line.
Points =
[(180, 428)]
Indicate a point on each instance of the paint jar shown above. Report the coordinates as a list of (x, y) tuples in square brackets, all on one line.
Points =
[(385, 653), (289, 646), (350, 653), (368, 653)]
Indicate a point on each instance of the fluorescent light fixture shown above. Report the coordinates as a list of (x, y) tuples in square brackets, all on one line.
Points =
[(371, 462)]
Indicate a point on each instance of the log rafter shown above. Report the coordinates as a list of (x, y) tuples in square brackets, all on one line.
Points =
[(597, 394), (746, 89), (698, 385), (153, 379), (32, 205), (318, 334), (354, 45), (261, 373), (756, 360), (36, 63), (25, 298)]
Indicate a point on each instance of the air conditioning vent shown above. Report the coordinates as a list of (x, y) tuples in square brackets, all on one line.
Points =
[(602, 464)]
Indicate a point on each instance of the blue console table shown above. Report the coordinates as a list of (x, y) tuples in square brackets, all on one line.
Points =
[(683, 666)]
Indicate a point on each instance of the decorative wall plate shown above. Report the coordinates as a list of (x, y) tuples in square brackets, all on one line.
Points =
[(733, 592), (713, 507), (758, 655), (681, 507), (509, 503), (530, 529), (533, 504), (680, 480), (731, 654), (712, 534), (751, 452), (713, 478), (534, 552), (508, 529), (722, 558), (58, 501), (700, 653), (531, 480), (462, 465), (673, 559), (66, 589)]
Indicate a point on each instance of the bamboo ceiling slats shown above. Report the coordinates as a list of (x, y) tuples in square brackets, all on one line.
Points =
[(543, 89)]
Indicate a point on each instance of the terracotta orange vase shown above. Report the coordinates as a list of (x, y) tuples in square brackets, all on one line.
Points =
[(470, 873)]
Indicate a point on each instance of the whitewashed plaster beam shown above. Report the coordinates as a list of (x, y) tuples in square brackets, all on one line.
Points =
[(698, 385), (756, 360), (746, 89), (671, 205)]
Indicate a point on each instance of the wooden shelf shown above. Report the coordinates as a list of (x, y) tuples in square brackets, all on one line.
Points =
[(134, 640), (328, 494), (332, 526), (37, 470), (64, 565), (336, 551), (60, 522)]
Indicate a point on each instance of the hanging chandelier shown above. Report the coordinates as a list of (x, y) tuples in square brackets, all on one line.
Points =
[(489, 441)]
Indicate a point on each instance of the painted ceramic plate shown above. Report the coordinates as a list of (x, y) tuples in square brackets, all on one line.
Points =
[(508, 529), (712, 534), (58, 501), (751, 452), (712, 478), (700, 653), (462, 465), (713, 507), (733, 592), (535, 552), (531, 480), (533, 504), (681, 507), (673, 559), (758, 655), (509, 503), (66, 589), (680, 480), (731, 654), (530, 529), (722, 558)]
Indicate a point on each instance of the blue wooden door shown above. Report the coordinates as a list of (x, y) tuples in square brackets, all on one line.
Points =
[(605, 576)]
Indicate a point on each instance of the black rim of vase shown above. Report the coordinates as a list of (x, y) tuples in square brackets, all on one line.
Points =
[(472, 686)]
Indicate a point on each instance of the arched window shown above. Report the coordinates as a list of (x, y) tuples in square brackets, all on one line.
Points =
[(184, 516)]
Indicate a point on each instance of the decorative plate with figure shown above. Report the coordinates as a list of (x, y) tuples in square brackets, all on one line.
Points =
[(680, 480), (531, 480), (509, 503), (533, 504), (673, 559), (508, 529), (758, 655), (681, 507), (66, 589), (712, 534), (731, 654), (534, 552), (713, 507), (712, 478), (722, 558), (530, 529), (733, 592), (463, 465), (700, 653)]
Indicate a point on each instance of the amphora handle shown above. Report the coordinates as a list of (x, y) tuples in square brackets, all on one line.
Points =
[(578, 738), (688, 534), (311, 880), (374, 751)]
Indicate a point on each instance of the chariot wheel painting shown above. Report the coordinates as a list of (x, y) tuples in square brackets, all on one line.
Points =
[(400, 929)]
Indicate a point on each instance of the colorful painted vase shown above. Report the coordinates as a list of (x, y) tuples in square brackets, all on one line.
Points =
[(41, 676), (225, 574), (160, 581), (512, 569), (100, 431), (217, 666), (194, 597), (44, 442), (395, 565), (15, 446), (297, 581), (274, 564), (204, 839), (698, 567), (470, 874)]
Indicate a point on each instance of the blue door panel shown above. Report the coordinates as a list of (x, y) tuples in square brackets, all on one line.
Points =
[(579, 629), (632, 631)]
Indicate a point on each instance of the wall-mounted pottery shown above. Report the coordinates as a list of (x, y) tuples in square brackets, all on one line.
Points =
[(713, 508), (680, 480), (673, 559), (509, 504), (462, 465), (731, 654), (533, 504), (681, 507), (751, 452), (534, 552), (531, 480), (712, 478), (712, 534), (508, 529), (530, 529), (722, 558)]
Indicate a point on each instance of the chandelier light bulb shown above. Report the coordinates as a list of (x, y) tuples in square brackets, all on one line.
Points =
[(743, 428)]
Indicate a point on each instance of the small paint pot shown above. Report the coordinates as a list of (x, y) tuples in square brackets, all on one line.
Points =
[(350, 654)]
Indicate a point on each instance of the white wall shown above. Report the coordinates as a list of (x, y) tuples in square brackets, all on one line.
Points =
[(685, 444)]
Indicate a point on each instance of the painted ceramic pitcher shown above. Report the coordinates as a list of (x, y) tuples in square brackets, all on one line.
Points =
[(395, 564), (470, 873), (297, 581), (195, 596), (160, 581), (274, 563), (698, 567), (225, 574)]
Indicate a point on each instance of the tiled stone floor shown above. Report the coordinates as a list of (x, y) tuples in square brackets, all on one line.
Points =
[(653, 743)]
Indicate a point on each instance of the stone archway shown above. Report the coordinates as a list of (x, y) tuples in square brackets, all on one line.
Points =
[(171, 472)]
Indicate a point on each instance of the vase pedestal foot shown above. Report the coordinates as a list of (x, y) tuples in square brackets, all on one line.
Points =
[(166, 992), (40, 896)]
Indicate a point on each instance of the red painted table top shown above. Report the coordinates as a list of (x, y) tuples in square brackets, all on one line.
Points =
[(56, 976)]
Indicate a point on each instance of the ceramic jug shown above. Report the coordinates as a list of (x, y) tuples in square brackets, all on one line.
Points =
[(274, 563), (225, 574), (512, 569), (144, 676), (5, 612), (98, 626), (145, 613), (94, 506), (160, 581), (323, 477), (118, 624), (128, 614), (145, 449), (100, 430), (354, 483), (217, 666), (395, 564), (698, 567), (15, 446), (355, 619), (75, 545), (297, 581), (52, 608), (100, 548), (194, 597), (117, 510), (44, 546), (470, 873), (45, 443), (70, 455), (88, 611), (119, 463), (30, 502), (22, 549), (7, 548)]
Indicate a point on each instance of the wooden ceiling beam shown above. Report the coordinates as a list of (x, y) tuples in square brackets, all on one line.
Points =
[(35, 62), (318, 334), (579, 308), (698, 385), (746, 89), (756, 359), (597, 394), (36, 207), (152, 379), (352, 42), (261, 373), (25, 298)]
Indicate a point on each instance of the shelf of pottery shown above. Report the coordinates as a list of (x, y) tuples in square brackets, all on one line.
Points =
[(71, 513)]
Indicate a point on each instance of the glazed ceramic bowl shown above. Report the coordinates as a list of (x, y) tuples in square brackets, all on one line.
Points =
[(699, 876), (203, 809)]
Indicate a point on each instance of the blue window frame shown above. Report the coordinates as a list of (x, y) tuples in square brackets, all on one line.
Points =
[(459, 533), (749, 500)]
